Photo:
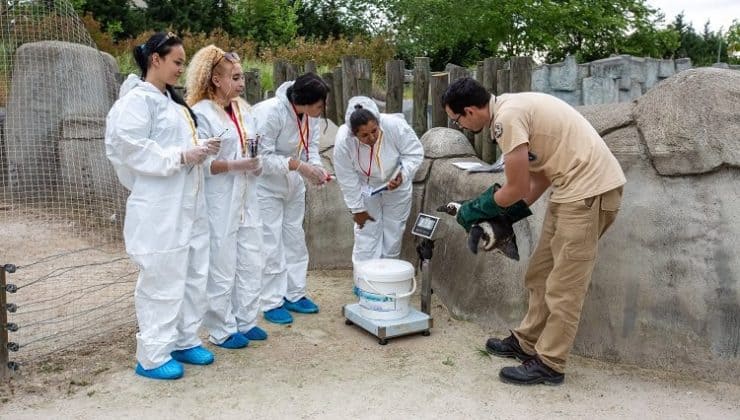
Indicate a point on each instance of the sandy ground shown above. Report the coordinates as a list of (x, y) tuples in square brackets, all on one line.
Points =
[(321, 368)]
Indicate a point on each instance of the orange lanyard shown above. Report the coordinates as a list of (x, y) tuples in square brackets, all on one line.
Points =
[(303, 132)]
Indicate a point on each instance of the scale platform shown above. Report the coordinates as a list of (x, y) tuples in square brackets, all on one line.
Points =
[(413, 323)]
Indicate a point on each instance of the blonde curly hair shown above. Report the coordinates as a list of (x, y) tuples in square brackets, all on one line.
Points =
[(199, 76)]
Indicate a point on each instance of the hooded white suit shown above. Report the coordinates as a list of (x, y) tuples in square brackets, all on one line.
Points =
[(282, 197), (352, 162), (232, 299), (166, 225)]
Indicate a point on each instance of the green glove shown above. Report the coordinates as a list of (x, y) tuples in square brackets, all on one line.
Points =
[(484, 207), (479, 208)]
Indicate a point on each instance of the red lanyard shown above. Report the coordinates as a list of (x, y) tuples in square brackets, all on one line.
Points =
[(370, 167), (304, 134), (232, 115)]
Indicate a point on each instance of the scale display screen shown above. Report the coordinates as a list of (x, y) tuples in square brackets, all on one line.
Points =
[(425, 225)]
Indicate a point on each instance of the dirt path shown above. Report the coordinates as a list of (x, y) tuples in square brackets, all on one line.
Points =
[(321, 368)]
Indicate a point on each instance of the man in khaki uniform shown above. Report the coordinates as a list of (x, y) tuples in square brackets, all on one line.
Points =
[(545, 143)]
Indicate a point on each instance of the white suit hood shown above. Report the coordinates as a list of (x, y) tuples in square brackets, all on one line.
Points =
[(131, 82), (365, 102)]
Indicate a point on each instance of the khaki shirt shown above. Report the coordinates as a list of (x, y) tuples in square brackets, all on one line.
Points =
[(562, 144)]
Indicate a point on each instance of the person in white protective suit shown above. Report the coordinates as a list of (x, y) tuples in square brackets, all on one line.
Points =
[(214, 82), (290, 129), (371, 150), (152, 141)]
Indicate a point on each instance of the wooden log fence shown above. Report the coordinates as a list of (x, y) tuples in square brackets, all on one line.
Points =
[(353, 76)]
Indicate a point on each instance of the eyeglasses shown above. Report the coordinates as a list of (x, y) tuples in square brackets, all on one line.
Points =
[(456, 121), (230, 56), (166, 38)]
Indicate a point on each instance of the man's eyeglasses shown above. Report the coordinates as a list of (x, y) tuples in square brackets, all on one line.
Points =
[(456, 121), (230, 56)]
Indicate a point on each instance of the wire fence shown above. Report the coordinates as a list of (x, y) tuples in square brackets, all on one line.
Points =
[(61, 206)]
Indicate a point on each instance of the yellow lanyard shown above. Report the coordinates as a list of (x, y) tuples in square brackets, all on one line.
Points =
[(240, 126), (192, 125)]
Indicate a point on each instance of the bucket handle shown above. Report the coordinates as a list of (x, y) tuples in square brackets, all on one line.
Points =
[(403, 295)]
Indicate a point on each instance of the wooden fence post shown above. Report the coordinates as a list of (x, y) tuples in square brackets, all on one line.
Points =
[(490, 73), (394, 86), (331, 103), (421, 95), (291, 73), (279, 70), (339, 101), (502, 81), (521, 74), (364, 74), (349, 81), (309, 66), (440, 81), (479, 139), (252, 86)]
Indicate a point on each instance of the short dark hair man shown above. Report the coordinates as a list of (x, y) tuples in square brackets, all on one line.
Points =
[(545, 142)]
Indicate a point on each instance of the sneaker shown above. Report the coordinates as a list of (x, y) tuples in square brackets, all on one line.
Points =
[(256, 333), (303, 305), (278, 316), (531, 372), (195, 356), (508, 347), (170, 370), (235, 341)]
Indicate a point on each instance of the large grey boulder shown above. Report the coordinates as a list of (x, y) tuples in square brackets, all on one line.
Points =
[(665, 292), (60, 93), (690, 122)]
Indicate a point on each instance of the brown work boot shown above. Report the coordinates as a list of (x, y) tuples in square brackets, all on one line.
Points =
[(531, 372), (508, 347)]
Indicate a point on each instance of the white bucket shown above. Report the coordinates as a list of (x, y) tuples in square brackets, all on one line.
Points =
[(384, 287)]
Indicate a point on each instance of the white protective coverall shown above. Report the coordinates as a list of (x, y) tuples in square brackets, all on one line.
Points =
[(232, 299), (355, 172), (166, 225), (282, 196)]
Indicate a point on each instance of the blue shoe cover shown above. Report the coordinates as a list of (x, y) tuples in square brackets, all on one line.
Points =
[(256, 333), (235, 341), (170, 370), (195, 356), (303, 305), (278, 316)]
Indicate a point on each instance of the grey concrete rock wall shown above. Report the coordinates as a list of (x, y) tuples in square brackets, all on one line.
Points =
[(615, 79), (60, 93), (665, 291)]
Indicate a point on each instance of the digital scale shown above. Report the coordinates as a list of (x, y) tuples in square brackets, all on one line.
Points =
[(416, 321)]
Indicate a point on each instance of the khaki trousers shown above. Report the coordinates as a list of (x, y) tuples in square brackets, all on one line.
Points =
[(559, 273)]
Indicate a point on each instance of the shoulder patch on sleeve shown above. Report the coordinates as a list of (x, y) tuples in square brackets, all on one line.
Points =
[(498, 130)]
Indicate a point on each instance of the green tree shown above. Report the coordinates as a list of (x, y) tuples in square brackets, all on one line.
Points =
[(733, 43), (120, 19), (268, 22), (701, 48), (192, 15), (324, 19)]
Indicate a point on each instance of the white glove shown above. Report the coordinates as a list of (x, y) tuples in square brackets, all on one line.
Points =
[(315, 175), (251, 165), (213, 145), (195, 155)]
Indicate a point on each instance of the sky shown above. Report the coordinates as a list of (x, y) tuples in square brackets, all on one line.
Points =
[(719, 12)]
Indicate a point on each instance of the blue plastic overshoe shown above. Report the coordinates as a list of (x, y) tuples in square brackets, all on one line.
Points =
[(256, 333), (303, 305), (195, 356), (278, 316), (235, 341), (170, 370)]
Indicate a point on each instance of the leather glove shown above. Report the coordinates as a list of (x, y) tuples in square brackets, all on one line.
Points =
[(244, 165), (213, 145), (312, 173), (195, 155), (361, 218), (485, 207)]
